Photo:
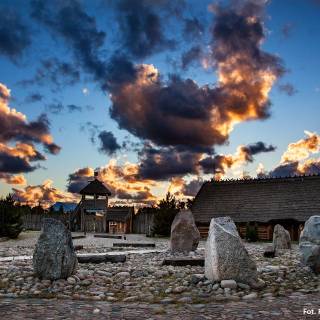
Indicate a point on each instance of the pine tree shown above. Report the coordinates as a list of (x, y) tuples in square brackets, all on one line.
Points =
[(166, 210), (10, 218)]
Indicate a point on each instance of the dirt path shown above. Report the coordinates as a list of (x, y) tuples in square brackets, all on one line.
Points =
[(280, 308)]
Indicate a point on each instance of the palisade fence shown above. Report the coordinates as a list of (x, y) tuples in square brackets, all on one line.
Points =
[(33, 221), (143, 222)]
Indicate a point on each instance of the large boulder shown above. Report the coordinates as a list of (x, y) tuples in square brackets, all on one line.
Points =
[(281, 238), (309, 243), (54, 255), (185, 235), (226, 256)]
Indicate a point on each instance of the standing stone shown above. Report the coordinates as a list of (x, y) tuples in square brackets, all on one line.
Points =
[(54, 256), (185, 235), (226, 257), (309, 243), (281, 238)]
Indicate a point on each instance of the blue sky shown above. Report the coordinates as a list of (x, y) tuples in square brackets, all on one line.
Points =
[(291, 29)]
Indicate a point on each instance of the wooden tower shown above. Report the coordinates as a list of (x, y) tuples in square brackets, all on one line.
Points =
[(93, 206)]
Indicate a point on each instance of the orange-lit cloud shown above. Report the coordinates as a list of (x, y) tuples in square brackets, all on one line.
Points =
[(220, 164), (120, 179), (44, 194), (179, 112), (303, 148), (16, 129), (13, 179), (297, 159)]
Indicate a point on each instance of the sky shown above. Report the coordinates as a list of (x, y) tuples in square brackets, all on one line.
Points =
[(155, 96)]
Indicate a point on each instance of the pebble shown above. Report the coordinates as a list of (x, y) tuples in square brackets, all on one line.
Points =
[(178, 289), (216, 286), (243, 286), (71, 280), (123, 274), (250, 296), (185, 300), (142, 279), (167, 301), (228, 284)]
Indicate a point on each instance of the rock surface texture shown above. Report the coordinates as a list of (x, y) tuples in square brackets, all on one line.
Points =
[(54, 255), (225, 255), (281, 238), (185, 235), (309, 243)]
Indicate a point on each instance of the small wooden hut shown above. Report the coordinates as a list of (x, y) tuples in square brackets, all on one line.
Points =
[(119, 219), (262, 203)]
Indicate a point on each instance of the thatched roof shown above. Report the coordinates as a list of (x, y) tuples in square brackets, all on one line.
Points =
[(95, 187), (119, 214), (259, 200)]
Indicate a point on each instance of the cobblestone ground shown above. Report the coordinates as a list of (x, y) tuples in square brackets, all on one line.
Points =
[(143, 288), (281, 308)]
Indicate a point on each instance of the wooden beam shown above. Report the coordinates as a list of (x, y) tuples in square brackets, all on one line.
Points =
[(100, 258), (136, 244), (180, 262), (107, 236)]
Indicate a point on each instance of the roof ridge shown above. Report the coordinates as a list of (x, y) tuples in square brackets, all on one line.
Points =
[(261, 179)]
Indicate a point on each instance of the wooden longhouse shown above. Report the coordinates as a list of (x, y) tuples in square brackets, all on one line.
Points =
[(263, 202)]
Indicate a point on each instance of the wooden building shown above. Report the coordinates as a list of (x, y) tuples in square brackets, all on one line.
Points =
[(119, 219), (263, 202), (92, 209), (143, 221)]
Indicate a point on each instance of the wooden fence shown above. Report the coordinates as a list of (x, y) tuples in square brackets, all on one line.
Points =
[(33, 221), (143, 223)]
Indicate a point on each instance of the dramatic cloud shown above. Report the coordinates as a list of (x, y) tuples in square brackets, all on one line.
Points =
[(296, 159), (14, 35), (13, 179), (69, 20), (219, 164), (256, 148), (141, 27), (108, 142), (14, 125), (285, 170), (14, 164), (79, 179), (135, 182), (179, 112), (165, 163), (44, 194), (16, 128), (301, 149), (184, 189), (310, 167)]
